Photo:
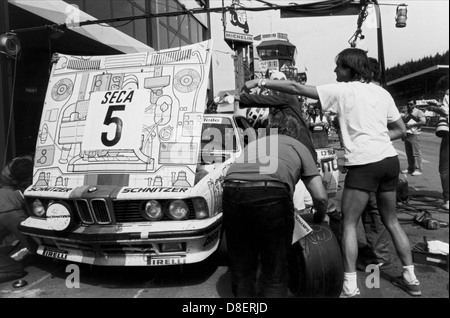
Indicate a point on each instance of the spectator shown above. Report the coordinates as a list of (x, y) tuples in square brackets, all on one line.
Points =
[(258, 209), (442, 110), (318, 125), (414, 120), (369, 121), (15, 178)]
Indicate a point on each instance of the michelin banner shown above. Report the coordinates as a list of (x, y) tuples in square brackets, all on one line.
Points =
[(124, 120)]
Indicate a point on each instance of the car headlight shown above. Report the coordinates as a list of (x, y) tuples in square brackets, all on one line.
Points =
[(178, 209), (201, 208), (59, 217), (38, 208), (152, 210)]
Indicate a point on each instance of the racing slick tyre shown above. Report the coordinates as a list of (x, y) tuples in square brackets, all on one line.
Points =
[(316, 268)]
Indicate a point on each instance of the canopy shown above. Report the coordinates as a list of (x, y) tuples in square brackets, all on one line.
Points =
[(270, 43)]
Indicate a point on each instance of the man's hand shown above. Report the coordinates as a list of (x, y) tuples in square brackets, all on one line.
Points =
[(320, 217), (315, 218), (249, 85)]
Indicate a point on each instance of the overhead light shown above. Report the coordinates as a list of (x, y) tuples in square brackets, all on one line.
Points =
[(400, 18), (10, 44)]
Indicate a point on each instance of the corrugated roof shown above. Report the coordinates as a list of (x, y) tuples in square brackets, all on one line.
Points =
[(274, 43), (419, 73)]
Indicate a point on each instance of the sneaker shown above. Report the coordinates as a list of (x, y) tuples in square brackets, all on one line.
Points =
[(406, 171), (416, 173), (412, 289), (349, 295)]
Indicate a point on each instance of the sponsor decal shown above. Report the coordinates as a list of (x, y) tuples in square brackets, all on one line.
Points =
[(212, 120), (58, 217), (166, 261), (211, 238), (50, 189), (59, 254), (153, 189)]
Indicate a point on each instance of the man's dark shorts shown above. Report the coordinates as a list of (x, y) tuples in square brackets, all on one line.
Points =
[(381, 176)]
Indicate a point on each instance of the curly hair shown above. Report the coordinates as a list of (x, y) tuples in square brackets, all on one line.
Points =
[(286, 124)]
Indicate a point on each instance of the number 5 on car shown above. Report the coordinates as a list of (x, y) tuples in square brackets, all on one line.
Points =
[(115, 120)]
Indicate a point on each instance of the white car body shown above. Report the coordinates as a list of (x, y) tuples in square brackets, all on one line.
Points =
[(106, 222)]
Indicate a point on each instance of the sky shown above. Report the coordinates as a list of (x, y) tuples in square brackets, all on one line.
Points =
[(320, 39)]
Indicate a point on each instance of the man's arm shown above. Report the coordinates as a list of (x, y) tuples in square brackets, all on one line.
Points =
[(249, 100), (319, 196), (288, 87), (437, 110), (397, 129), (422, 121)]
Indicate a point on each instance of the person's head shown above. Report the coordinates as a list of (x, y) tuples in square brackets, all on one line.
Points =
[(352, 64), (278, 76), (374, 68), (317, 109), (286, 124), (410, 106)]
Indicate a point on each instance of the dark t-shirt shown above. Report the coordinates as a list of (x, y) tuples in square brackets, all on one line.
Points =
[(283, 159), (281, 105)]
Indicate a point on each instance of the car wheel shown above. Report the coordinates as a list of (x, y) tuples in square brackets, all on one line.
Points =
[(316, 267)]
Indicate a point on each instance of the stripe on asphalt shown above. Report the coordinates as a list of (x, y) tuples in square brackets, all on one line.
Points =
[(404, 155)]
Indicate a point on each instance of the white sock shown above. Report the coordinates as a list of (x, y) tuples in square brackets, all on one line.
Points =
[(350, 282), (408, 274)]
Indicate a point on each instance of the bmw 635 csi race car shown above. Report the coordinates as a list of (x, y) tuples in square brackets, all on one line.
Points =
[(121, 173), (106, 224)]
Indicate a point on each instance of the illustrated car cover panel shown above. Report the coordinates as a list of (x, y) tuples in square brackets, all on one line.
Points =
[(124, 120)]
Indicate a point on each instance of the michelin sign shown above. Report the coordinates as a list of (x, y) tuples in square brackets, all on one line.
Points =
[(236, 27)]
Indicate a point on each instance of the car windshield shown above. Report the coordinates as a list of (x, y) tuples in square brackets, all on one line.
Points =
[(219, 135), (218, 140)]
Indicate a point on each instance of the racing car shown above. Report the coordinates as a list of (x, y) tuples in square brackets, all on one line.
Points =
[(141, 226)]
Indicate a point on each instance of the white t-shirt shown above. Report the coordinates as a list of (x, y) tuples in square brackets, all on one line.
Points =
[(363, 111)]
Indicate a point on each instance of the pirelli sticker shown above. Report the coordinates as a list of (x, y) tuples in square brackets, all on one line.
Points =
[(59, 254), (166, 261)]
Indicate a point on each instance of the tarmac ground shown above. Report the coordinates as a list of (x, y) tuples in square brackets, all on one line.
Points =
[(432, 270)]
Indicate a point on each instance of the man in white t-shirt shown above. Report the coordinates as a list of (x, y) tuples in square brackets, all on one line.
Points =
[(369, 120), (414, 120)]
